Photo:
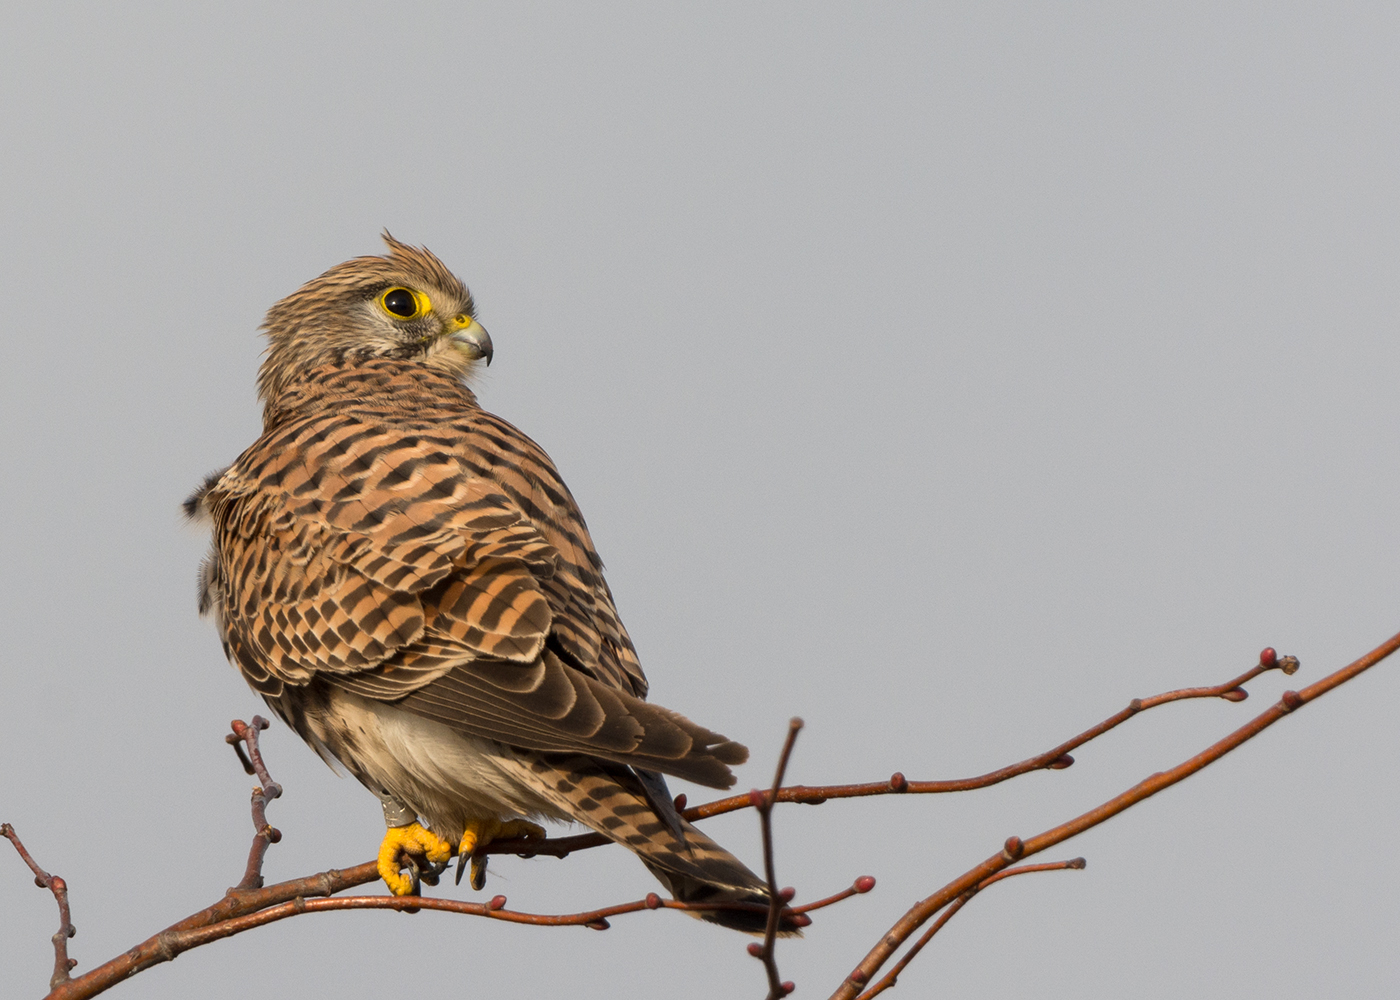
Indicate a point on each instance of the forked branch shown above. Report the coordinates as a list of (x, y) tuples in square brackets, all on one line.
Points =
[(62, 964), (250, 904), (1015, 848)]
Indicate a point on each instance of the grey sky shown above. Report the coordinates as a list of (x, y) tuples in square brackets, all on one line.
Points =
[(947, 375)]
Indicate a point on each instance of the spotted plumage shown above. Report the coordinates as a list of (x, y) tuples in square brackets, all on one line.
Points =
[(407, 581)]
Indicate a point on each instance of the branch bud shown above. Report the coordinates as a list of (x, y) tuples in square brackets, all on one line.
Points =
[(864, 884)]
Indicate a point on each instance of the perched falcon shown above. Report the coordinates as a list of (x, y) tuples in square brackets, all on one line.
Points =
[(408, 583)]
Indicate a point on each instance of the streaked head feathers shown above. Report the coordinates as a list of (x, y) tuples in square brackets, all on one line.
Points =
[(404, 305)]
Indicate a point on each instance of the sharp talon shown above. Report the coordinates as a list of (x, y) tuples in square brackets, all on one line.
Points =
[(427, 855), (479, 833)]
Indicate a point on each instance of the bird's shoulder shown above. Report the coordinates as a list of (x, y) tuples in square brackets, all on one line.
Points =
[(391, 473)]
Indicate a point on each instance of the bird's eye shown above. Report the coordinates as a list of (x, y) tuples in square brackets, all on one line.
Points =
[(403, 303)]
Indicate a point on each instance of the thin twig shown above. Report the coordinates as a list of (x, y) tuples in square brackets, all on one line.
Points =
[(763, 802), (892, 976), (861, 885), (1015, 848), (62, 964), (1054, 759), (264, 835)]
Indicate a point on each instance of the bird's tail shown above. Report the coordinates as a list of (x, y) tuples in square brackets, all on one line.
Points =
[(614, 801)]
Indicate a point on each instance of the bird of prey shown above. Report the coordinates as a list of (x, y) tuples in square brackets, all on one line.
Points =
[(407, 581)]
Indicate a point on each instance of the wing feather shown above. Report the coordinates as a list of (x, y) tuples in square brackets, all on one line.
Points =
[(436, 561)]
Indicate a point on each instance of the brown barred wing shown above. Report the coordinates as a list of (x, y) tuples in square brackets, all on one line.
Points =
[(391, 566), (587, 630), (549, 706)]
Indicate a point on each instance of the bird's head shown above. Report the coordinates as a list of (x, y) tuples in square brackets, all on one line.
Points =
[(404, 305)]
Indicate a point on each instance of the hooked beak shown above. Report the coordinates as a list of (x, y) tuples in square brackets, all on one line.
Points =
[(474, 340)]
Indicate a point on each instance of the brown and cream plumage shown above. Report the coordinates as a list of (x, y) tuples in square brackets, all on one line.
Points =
[(409, 584)]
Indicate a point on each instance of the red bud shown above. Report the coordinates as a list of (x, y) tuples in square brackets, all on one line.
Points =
[(496, 903), (756, 950), (1268, 659), (653, 901), (865, 883), (786, 894)]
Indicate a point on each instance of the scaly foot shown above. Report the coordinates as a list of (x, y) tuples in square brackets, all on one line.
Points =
[(412, 840), (479, 833)]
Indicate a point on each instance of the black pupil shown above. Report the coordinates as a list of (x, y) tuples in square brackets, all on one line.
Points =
[(400, 302)]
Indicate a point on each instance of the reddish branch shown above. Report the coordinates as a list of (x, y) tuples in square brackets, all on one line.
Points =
[(1054, 759), (891, 977), (264, 835), (61, 962), (763, 803), (1015, 848), (252, 905)]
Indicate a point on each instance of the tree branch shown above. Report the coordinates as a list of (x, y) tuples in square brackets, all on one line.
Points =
[(62, 964), (1055, 759), (763, 803), (891, 977), (250, 904), (264, 835), (1015, 848)]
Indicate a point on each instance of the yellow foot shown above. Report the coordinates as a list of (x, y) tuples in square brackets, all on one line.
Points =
[(479, 833), (413, 840)]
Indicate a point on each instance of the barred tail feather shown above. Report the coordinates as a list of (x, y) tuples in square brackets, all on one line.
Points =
[(611, 800)]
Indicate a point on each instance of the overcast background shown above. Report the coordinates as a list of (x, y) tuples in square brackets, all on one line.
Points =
[(944, 374)]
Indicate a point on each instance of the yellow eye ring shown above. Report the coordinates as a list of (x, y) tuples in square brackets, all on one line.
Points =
[(403, 303)]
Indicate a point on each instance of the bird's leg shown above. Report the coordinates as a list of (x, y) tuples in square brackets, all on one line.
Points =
[(407, 837), (479, 833)]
